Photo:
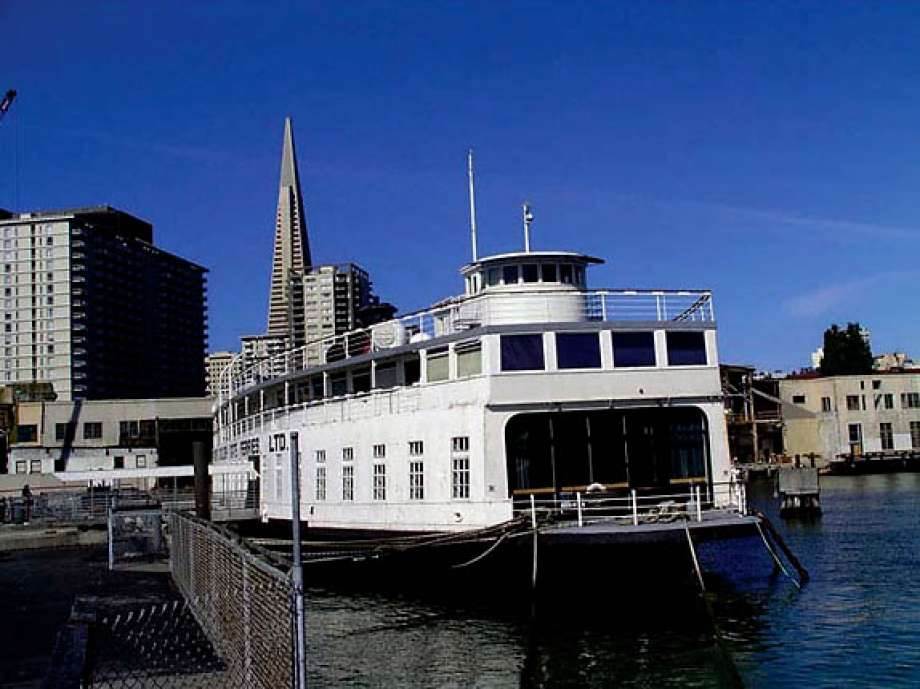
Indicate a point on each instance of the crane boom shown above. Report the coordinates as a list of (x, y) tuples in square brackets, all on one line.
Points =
[(7, 102)]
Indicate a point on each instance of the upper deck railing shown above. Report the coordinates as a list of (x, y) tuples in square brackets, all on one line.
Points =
[(461, 314)]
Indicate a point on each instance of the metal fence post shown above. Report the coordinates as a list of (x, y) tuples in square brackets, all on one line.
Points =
[(300, 651), (111, 543)]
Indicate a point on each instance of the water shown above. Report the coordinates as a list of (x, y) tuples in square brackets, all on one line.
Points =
[(856, 624)]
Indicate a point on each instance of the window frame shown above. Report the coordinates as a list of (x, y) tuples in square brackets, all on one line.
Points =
[(691, 354), (96, 426), (379, 481), (886, 435), (575, 358), (621, 334), (513, 345), (348, 483), (416, 479)]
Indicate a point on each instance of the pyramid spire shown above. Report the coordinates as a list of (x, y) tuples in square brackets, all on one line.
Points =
[(292, 249)]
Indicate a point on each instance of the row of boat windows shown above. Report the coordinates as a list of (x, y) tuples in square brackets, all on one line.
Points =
[(527, 273), (460, 473), (460, 481), (583, 350), (524, 352)]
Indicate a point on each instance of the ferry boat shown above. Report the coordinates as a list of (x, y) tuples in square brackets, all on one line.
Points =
[(595, 415)]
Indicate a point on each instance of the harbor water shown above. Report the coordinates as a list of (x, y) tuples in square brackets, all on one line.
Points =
[(855, 624)]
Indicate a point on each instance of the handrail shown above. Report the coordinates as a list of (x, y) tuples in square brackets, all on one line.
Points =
[(592, 508), (459, 314)]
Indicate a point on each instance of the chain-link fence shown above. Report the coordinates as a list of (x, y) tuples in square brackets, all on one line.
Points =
[(243, 603), (232, 629), (135, 535)]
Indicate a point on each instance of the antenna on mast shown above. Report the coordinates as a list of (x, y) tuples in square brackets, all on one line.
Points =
[(528, 218), (469, 168)]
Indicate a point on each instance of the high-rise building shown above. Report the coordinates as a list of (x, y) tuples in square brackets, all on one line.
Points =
[(292, 250), (214, 365), (330, 300), (307, 302), (92, 307)]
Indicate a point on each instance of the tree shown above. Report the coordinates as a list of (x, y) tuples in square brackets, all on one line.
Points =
[(846, 352)]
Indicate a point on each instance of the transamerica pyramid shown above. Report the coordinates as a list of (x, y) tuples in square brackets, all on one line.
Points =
[(292, 250)]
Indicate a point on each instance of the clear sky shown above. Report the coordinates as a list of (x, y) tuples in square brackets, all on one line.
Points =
[(768, 151)]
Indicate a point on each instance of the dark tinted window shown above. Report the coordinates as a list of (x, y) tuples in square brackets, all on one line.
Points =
[(549, 272), (633, 349), (578, 350), (510, 275), (27, 433), (531, 272), (412, 370), (565, 274), (522, 352), (686, 349)]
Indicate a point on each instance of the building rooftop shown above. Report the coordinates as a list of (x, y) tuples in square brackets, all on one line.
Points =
[(103, 216)]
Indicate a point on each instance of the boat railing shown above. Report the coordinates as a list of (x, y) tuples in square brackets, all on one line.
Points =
[(583, 508), (454, 316)]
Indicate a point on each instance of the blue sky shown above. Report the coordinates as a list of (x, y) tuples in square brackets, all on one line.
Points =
[(767, 151)]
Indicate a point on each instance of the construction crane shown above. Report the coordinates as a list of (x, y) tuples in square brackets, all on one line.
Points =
[(7, 102)]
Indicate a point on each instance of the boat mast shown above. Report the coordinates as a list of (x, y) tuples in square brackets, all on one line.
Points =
[(469, 167), (528, 218)]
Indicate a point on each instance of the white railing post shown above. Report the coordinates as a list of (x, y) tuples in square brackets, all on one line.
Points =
[(603, 306), (699, 505), (578, 500), (533, 512), (635, 507)]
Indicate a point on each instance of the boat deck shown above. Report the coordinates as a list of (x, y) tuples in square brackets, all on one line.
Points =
[(714, 524)]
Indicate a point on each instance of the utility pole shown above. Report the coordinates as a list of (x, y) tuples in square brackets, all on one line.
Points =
[(300, 639)]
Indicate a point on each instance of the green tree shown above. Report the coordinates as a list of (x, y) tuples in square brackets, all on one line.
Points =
[(846, 352)]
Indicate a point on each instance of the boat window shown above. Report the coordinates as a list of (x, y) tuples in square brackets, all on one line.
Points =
[(361, 380), (522, 352), (563, 452), (549, 272), (633, 349), (579, 276), (686, 348), (531, 272), (476, 281), (316, 388), (338, 385), (437, 364), (385, 375), (412, 368), (578, 350), (469, 358), (492, 277), (565, 274), (510, 275)]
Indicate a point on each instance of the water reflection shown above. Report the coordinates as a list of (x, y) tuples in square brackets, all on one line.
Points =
[(855, 624)]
